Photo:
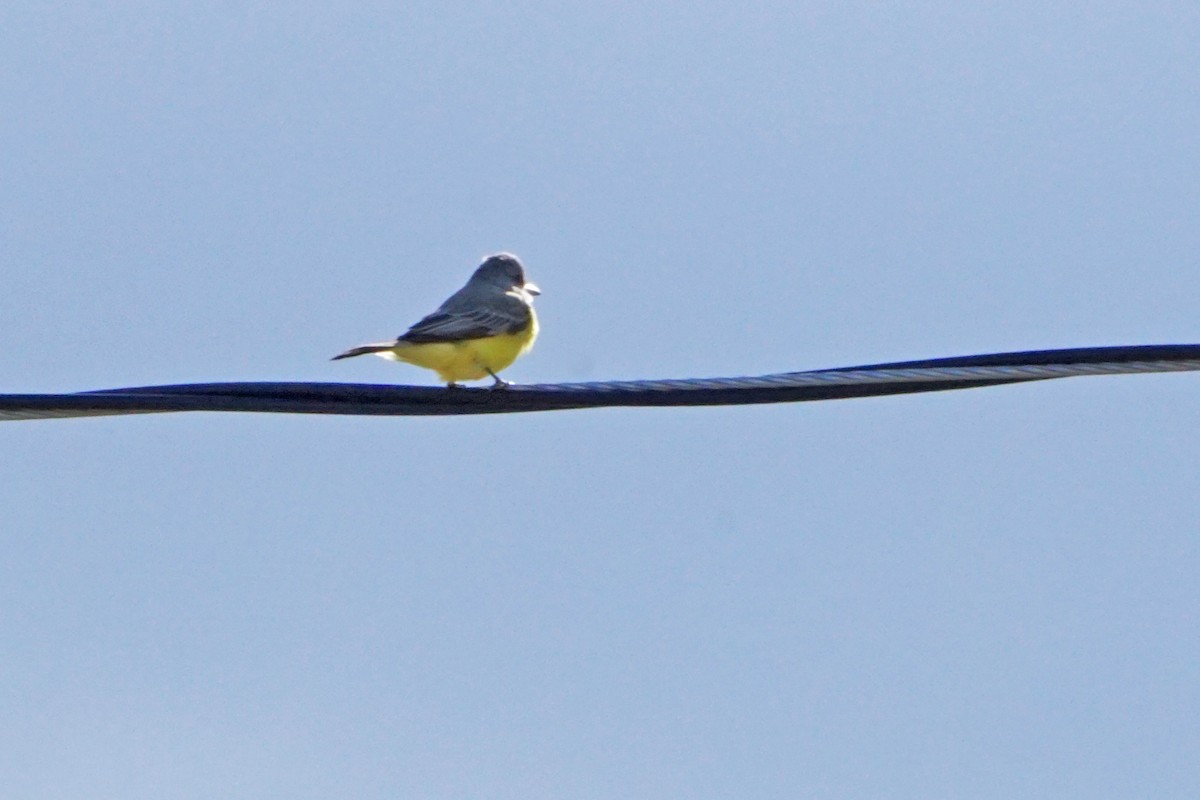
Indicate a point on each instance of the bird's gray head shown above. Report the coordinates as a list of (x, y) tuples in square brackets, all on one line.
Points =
[(504, 270)]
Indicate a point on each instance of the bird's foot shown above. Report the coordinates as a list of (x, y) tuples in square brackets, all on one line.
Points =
[(499, 384)]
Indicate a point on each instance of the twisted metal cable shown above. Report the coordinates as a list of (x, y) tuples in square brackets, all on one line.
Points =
[(908, 377), (847, 377)]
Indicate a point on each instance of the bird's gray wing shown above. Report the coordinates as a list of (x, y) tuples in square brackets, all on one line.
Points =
[(470, 316)]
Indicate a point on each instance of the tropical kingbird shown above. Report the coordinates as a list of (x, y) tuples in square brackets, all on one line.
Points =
[(479, 331)]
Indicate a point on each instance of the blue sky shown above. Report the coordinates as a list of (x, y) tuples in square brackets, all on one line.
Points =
[(988, 593)]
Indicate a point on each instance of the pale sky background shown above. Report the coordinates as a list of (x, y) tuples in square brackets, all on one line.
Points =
[(991, 593)]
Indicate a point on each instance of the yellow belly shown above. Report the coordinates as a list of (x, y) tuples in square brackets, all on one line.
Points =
[(468, 360)]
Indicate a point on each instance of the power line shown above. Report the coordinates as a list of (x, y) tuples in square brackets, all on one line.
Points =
[(906, 377)]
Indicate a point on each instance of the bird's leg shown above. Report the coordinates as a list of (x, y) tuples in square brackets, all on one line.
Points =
[(499, 384), (453, 385)]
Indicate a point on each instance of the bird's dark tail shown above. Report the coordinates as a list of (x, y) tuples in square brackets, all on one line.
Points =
[(363, 350)]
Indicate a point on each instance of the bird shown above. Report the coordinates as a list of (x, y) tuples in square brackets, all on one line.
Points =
[(480, 330)]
